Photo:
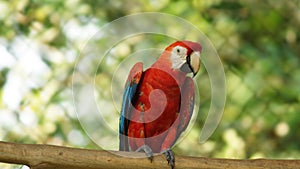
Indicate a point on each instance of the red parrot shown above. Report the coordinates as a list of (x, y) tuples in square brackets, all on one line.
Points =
[(158, 102)]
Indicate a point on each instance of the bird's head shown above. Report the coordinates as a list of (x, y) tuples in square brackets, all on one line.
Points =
[(185, 56)]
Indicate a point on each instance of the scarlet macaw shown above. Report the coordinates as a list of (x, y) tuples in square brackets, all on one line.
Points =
[(158, 103)]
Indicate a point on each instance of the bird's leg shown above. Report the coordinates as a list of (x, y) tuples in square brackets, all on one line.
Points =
[(170, 157), (147, 150)]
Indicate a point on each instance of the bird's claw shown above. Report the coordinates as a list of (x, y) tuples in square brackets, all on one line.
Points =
[(147, 150), (170, 157)]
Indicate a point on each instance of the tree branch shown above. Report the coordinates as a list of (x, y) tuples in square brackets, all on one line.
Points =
[(47, 157)]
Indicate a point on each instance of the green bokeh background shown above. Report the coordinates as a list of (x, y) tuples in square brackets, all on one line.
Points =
[(257, 41)]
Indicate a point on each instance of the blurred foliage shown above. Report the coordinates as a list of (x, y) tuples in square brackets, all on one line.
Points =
[(258, 43)]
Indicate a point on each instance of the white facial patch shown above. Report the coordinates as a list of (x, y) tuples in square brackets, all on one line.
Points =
[(178, 56)]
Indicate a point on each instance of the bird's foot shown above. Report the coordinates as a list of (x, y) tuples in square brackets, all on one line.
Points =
[(147, 150), (170, 157)]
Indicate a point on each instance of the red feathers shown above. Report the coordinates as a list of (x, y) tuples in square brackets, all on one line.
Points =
[(158, 103)]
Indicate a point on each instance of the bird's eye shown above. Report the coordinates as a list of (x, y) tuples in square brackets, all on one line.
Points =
[(178, 51)]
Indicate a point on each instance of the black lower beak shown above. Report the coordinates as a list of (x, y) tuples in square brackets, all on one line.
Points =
[(186, 67)]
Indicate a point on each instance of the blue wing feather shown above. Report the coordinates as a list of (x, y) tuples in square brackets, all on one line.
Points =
[(129, 92), (126, 105)]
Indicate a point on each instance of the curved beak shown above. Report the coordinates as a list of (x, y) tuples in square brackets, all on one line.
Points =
[(194, 62)]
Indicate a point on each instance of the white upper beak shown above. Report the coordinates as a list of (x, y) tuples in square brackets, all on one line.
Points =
[(194, 62)]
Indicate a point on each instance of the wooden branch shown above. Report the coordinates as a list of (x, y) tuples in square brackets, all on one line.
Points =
[(47, 157)]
